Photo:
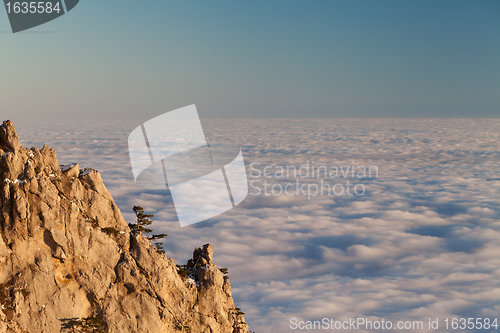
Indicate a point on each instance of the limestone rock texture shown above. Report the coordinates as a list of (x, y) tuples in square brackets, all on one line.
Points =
[(66, 253)]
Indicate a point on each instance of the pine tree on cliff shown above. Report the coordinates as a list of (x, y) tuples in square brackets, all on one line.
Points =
[(143, 220)]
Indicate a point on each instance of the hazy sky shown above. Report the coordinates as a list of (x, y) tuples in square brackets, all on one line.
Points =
[(275, 58)]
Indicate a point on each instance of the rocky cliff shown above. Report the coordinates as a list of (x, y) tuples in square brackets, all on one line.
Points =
[(68, 260)]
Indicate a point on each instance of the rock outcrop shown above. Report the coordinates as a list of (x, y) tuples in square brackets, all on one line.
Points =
[(67, 257)]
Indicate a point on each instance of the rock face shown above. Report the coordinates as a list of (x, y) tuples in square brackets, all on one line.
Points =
[(66, 253)]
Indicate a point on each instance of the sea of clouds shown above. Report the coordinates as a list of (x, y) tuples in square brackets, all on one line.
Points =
[(423, 241)]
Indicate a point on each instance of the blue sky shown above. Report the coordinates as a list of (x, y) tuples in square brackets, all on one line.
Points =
[(252, 59)]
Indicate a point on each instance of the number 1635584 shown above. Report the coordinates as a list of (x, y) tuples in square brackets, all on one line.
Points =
[(33, 7)]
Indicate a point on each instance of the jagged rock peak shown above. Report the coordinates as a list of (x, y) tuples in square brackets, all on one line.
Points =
[(8, 136), (206, 253), (67, 255)]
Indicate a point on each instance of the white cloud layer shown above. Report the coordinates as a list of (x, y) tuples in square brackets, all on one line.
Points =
[(423, 241)]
